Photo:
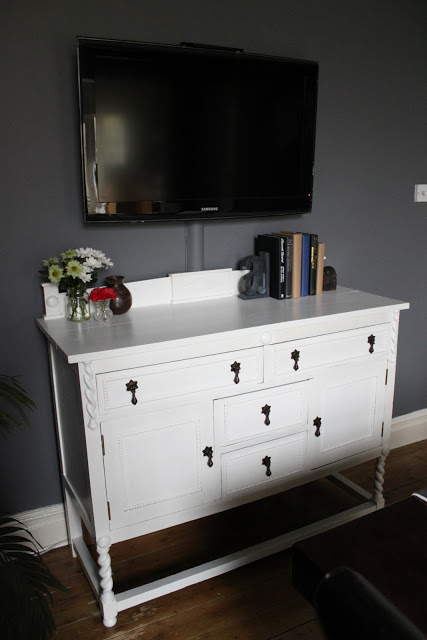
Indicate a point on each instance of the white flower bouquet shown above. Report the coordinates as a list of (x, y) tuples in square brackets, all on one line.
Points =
[(73, 272), (75, 268)]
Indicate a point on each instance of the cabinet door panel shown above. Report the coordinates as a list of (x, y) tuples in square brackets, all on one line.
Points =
[(347, 408), (155, 465), (262, 413)]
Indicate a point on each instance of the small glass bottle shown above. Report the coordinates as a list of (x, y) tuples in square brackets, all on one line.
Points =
[(103, 313)]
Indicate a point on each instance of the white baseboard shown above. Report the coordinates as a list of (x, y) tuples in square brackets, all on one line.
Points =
[(408, 429), (48, 523)]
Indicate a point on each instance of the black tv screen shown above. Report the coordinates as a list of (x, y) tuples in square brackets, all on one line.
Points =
[(178, 133)]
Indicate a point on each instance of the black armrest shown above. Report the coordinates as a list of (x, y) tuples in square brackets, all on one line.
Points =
[(351, 608)]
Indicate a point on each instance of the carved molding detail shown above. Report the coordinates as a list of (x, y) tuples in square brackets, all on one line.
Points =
[(89, 392), (393, 336)]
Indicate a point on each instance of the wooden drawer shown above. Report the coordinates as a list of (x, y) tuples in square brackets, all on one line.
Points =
[(174, 379), (300, 356), (261, 413), (246, 470)]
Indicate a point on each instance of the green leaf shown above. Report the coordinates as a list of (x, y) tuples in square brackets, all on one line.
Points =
[(14, 404), (25, 583)]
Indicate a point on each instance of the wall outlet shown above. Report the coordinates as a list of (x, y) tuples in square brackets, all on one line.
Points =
[(420, 193)]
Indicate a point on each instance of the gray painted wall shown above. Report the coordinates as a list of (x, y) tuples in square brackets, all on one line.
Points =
[(371, 141)]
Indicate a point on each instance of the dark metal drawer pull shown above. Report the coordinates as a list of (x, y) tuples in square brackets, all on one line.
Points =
[(235, 367), (208, 452), (132, 386), (371, 341), (267, 463), (266, 411), (295, 357), (317, 422)]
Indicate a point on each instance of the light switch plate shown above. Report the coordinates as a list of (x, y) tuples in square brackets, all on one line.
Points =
[(420, 193)]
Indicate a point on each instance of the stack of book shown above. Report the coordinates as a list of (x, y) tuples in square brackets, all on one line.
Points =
[(296, 263)]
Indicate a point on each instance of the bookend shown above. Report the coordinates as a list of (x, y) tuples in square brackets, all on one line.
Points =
[(256, 283), (329, 279)]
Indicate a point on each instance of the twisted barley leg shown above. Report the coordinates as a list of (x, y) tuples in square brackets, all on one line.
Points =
[(108, 599), (379, 479)]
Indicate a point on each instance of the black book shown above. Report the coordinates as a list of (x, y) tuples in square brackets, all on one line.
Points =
[(275, 246), (287, 260), (312, 269), (289, 253)]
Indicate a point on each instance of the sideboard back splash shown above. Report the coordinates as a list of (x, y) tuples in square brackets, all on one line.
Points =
[(176, 288)]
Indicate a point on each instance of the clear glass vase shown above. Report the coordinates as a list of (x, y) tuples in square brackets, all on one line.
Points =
[(103, 313), (77, 306)]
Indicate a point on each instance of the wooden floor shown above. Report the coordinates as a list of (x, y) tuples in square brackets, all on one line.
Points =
[(256, 602)]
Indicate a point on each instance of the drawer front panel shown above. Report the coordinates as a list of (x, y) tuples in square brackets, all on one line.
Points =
[(296, 357), (255, 468), (261, 413), (173, 379)]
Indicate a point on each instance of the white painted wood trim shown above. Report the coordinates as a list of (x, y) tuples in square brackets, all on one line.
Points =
[(147, 592), (48, 524), (201, 285), (178, 287), (408, 429)]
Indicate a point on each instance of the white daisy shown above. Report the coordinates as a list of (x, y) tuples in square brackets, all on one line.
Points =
[(86, 274), (83, 253), (93, 263)]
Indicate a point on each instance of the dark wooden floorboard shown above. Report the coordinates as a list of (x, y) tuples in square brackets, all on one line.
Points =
[(256, 602)]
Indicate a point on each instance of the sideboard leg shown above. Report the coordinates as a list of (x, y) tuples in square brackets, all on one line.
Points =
[(379, 480), (74, 524), (108, 599)]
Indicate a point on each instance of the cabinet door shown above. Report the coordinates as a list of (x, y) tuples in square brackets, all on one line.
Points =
[(346, 412), (158, 463)]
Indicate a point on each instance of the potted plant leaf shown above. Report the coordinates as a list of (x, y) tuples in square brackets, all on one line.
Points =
[(25, 599)]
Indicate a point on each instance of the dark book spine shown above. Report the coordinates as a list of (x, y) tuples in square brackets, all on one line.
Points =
[(271, 244), (305, 262), (282, 267), (289, 253), (314, 241), (283, 264)]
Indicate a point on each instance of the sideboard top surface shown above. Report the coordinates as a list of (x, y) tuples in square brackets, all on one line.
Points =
[(176, 322)]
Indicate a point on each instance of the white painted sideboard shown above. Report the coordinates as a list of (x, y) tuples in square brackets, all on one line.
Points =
[(178, 411)]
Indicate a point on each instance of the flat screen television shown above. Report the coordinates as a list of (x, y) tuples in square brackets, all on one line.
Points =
[(191, 132)]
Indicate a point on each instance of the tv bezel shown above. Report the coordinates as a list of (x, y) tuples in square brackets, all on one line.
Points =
[(203, 209)]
